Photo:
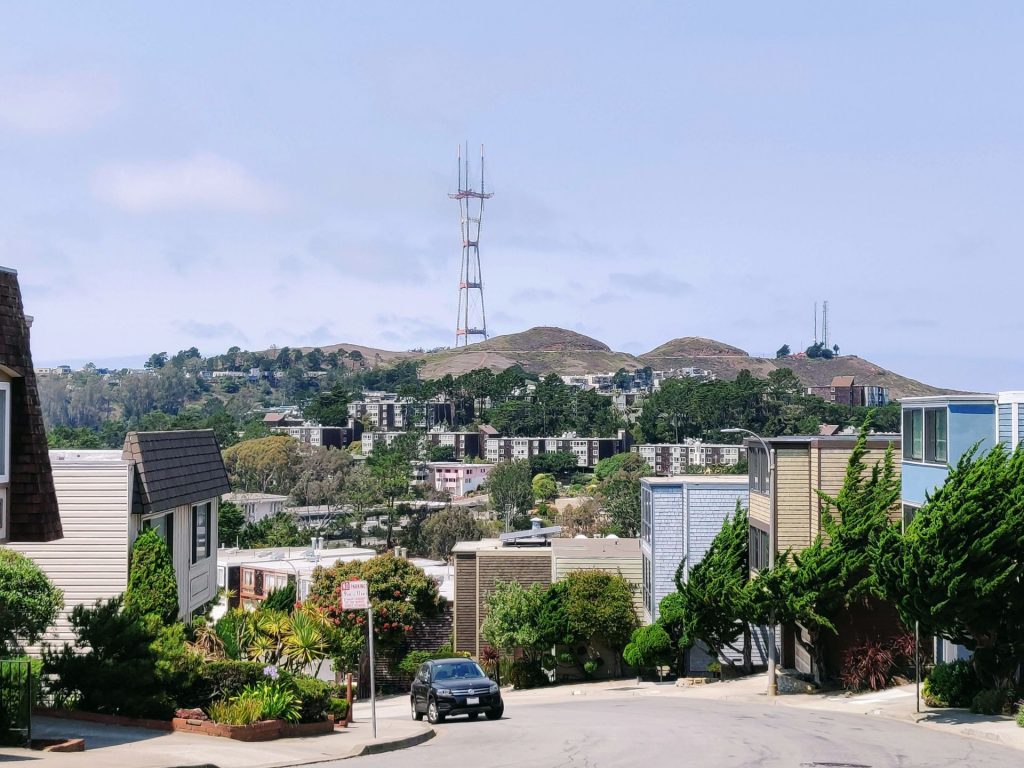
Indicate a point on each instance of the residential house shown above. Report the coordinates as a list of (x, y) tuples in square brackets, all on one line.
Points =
[(690, 455), (170, 482), (256, 506), (529, 557), (844, 390), (281, 419), (937, 432), (455, 478), (588, 450), (28, 502), (805, 465)]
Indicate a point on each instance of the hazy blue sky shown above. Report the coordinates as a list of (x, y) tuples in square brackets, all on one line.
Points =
[(277, 173)]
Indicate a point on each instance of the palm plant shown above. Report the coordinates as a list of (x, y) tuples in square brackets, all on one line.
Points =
[(305, 643)]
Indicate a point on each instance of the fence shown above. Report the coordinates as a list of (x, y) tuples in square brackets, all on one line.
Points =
[(15, 702)]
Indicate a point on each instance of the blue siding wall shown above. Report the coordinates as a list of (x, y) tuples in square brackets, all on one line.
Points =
[(1005, 423), (919, 479), (1020, 423), (970, 424)]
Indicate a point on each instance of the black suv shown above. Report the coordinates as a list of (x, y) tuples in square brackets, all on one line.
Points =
[(454, 687)]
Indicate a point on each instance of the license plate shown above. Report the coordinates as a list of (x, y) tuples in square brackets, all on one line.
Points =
[(472, 700)]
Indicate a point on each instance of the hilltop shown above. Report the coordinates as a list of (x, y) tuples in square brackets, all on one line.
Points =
[(539, 350)]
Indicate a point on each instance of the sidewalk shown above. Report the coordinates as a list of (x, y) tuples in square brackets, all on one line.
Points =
[(119, 747)]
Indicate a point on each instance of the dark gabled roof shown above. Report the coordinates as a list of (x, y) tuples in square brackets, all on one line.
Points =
[(32, 500), (175, 468)]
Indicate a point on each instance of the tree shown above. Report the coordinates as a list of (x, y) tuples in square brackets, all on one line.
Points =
[(361, 494), (544, 487), (329, 408), (511, 624), (230, 521), (265, 465), (813, 587), (783, 351), (510, 488), (279, 530), (402, 595), (444, 529), (558, 463), (715, 603), (619, 494), (672, 616), (584, 519), (441, 453), (957, 569), (28, 601), (648, 647), (156, 361), (389, 466), (599, 607), (152, 585)]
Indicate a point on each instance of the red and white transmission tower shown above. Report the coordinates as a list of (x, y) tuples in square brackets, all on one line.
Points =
[(472, 319)]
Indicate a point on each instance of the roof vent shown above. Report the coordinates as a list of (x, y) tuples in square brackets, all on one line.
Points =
[(580, 536), (535, 523), (611, 536)]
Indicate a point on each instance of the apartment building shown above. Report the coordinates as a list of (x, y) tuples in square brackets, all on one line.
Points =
[(455, 478), (844, 390), (937, 432), (805, 465), (256, 506), (386, 411), (464, 445), (322, 437), (588, 450), (689, 456)]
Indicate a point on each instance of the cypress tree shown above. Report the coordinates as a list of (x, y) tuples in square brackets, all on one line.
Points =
[(152, 585)]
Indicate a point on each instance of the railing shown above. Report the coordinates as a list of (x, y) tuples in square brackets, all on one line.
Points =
[(15, 702)]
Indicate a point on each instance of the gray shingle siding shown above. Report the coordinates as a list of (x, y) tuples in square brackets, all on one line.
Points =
[(1006, 423)]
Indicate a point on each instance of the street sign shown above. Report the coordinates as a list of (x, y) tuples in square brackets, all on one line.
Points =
[(355, 595)]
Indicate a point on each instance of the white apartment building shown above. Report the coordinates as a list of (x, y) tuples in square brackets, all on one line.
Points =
[(455, 478)]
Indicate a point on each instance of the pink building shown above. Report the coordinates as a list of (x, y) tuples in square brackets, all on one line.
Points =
[(456, 478)]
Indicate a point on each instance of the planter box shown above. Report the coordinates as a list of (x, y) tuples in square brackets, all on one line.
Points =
[(268, 730)]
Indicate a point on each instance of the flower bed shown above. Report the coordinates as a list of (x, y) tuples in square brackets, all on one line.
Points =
[(267, 730)]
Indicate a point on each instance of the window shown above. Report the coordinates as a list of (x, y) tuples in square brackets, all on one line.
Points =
[(758, 468), (201, 514), (935, 442), (913, 434), (648, 587), (248, 578), (909, 511), (758, 543), (5, 431), (164, 527)]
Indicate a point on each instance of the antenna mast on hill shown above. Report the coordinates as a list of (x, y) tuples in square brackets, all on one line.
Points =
[(472, 319)]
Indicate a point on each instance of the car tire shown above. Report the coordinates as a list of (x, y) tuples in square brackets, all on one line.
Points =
[(496, 713), (473, 715), (416, 714), (434, 715)]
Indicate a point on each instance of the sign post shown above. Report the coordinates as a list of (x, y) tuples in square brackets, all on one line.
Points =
[(355, 596)]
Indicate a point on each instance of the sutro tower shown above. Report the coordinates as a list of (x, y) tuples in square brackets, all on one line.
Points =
[(472, 319)]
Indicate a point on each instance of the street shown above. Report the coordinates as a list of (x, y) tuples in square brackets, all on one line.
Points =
[(624, 730)]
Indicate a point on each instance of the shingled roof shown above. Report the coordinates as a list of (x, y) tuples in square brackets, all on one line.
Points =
[(175, 468), (32, 500)]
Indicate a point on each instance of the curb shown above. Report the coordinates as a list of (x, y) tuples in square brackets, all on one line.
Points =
[(377, 748)]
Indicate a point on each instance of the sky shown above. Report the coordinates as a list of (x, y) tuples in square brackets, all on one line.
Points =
[(257, 174)]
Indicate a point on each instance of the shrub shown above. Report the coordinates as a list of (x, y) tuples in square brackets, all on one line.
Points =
[(152, 585), (112, 666), (314, 696), (649, 647), (239, 712), (989, 702), (28, 600), (276, 700), (867, 664), (1020, 717), (951, 685), (229, 629), (527, 673), (224, 679), (412, 660), (338, 707), (282, 599)]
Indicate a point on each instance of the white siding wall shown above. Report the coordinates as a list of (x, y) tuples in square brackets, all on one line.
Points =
[(197, 584), (91, 561)]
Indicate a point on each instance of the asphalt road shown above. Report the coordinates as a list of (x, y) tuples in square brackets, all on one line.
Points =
[(691, 733)]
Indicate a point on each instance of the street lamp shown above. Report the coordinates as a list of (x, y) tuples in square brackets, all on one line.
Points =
[(773, 683)]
